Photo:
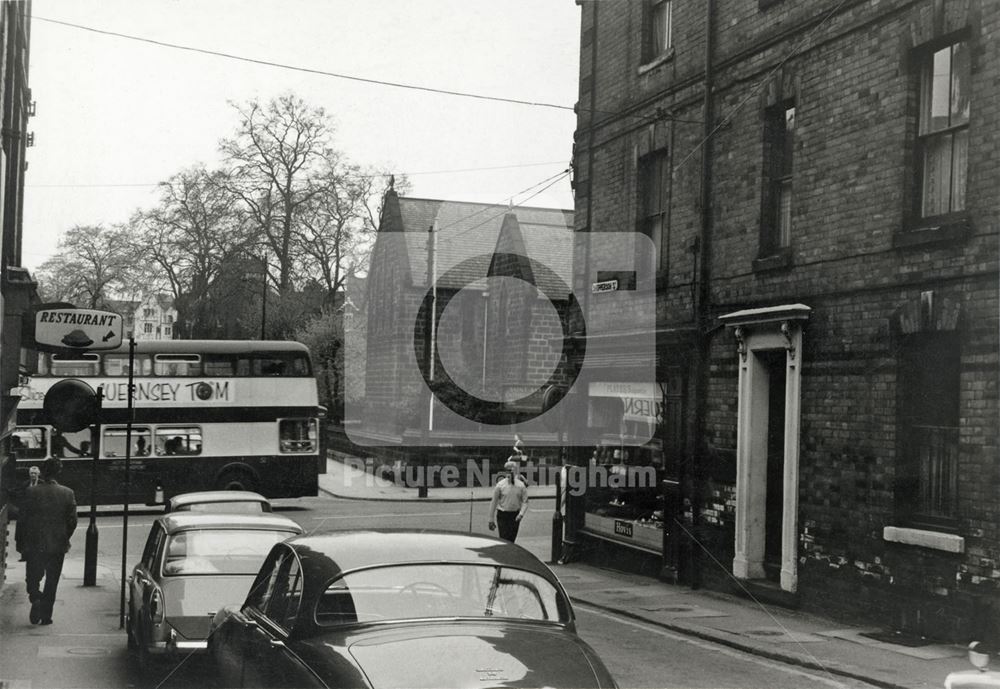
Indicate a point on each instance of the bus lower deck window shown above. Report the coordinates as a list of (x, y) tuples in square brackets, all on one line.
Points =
[(178, 441), (297, 435)]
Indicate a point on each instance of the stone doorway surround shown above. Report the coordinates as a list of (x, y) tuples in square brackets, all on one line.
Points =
[(757, 331)]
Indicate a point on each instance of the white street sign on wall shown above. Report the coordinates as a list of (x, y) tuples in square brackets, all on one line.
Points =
[(78, 329)]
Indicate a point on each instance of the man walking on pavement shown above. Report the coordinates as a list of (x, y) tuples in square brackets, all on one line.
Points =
[(34, 478), (510, 502), (48, 517)]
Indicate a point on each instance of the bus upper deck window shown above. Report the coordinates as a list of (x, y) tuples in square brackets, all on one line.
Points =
[(217, 365), (84, 364), (281, 364), (177, 365), (117, 365), (269, 367)]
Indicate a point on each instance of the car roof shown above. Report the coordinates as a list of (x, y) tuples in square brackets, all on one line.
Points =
[(216, 496), (182, 521), (326, 555)]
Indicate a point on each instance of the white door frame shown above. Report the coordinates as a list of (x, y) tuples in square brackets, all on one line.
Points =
[(758, 330)]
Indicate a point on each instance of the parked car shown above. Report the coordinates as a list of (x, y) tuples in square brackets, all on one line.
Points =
[(980, 678), (193, 564), (398, 608), (237, 501)]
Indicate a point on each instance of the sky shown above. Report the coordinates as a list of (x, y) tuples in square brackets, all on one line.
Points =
[(115, 116)]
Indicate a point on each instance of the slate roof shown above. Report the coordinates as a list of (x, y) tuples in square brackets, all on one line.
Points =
[(470, 231)]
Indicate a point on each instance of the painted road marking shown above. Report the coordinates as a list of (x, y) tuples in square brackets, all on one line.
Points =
[(74, 651)]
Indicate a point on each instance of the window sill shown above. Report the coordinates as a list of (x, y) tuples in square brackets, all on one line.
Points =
[(778, 261), (945, 230), (656, 62), (949, 543)]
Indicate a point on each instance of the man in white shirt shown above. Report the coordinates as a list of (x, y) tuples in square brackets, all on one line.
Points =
[(510, 502)]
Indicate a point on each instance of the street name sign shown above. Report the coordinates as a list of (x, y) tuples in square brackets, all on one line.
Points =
[(604, 286), (82, 330)]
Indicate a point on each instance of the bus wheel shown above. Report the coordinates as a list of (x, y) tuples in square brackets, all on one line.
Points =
[(236, 480)]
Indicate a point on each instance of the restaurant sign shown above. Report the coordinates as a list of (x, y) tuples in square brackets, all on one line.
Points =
[(83, 330)]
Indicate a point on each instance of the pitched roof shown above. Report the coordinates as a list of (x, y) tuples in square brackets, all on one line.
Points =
[(122, 306), (467, 236), (164, 301)]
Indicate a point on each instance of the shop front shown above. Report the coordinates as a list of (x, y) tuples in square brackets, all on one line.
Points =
[(638, 427)]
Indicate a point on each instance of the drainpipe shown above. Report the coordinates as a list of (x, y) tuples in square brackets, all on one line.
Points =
[(703, 296), (579, 455)]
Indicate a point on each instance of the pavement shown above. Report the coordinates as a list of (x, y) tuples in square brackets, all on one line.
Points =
[(790, 636), (86, 629)]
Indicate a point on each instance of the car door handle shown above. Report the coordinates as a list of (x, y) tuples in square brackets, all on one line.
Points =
[(276, 644)]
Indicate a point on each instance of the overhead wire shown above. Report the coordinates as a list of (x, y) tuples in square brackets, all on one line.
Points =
[(350, 77), (371, 176), (307, 70), (508, 203)]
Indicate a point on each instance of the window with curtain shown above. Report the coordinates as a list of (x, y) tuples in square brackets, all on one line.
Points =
[(779, 143), (659, 17), (943, 138)]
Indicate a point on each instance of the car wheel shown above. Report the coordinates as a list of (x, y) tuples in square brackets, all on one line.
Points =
[(236, 480)]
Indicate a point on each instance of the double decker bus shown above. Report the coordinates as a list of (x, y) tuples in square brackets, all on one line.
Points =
[(207, 414)]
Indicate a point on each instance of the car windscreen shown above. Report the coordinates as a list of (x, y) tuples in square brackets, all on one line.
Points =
[(420, 591), (218, 551), (227, 507)]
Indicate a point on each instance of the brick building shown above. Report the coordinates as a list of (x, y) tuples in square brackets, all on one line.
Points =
[(498, 314), (822, 190), (18, 296)]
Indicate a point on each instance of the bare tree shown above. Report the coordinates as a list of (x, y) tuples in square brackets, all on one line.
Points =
[(91, 266), (191, 236), (275, 163)]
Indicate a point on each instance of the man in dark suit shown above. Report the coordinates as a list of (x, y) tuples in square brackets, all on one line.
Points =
[(48, 517), (34, 478)]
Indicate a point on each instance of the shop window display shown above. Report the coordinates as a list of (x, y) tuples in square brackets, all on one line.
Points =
[(624, 500)]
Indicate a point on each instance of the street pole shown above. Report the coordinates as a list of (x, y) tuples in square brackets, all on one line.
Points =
[(128, 477), (90, 549), (557, 523), (429, 333), (263, 296)]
